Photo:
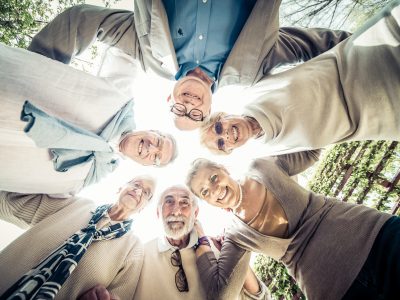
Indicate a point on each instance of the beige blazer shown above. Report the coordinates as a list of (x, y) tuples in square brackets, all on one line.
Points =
[(144, 34)]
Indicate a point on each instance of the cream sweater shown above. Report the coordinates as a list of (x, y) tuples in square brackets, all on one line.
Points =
[(349, 93), (115, 264), (62, 91)]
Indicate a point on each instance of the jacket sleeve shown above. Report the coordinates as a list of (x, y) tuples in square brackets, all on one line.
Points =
[(263, 294), (26, 210), (296, 44), (224, 278), (297, 162), (74, 30)]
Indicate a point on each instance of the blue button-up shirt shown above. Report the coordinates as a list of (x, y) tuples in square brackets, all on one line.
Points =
[(204, 32)]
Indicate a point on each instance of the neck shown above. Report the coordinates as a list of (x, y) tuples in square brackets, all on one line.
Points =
[(118, 213), (180, 243), (199, 73), (237, 207)]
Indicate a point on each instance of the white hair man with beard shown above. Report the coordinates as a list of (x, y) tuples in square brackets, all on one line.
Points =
[(169, 269)]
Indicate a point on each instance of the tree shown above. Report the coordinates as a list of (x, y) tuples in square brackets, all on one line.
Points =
[(339, 14), (20, 20)]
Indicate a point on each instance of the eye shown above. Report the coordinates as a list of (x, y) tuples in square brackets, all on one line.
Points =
[(184, 203), (218, 128), (213, 178), (204, 192), (220, 144)]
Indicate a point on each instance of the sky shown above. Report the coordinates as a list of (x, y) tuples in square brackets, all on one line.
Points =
[(152, 112)]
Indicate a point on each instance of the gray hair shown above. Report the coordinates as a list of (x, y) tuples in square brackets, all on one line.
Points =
[(197, 165), (173, 141)]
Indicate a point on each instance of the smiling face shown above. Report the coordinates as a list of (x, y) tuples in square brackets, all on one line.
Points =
[(226, 133), (148, 147), (178, 211), (215, 186), (193, 93), (135, 195)]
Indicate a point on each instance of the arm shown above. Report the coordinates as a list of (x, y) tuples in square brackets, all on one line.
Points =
[(295, 44), (224, 278), (25, 210), (297, 162), (74, 30)]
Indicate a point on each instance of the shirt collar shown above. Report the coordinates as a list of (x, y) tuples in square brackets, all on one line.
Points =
[(164, 245)]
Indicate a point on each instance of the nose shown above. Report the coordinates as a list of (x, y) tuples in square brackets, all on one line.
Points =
[(139, 191), (176, 210), (153, 149)]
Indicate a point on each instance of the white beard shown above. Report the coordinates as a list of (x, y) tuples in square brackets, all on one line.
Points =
[(177, 233)]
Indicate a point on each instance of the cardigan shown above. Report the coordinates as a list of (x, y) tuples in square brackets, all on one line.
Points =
[(326, 245), (116, 263)]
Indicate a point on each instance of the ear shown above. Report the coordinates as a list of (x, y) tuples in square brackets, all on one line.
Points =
[(158, 213), (169, 98), (196, 212)]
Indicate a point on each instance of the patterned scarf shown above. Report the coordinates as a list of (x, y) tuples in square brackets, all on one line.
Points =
[(45, 280)]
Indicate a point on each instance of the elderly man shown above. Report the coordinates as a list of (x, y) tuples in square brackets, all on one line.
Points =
[(199, 43), (83, 120), (52, 258), (169, 269)]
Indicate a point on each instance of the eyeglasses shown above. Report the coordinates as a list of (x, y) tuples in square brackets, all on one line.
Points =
[(218, 130), (180, 276), (194, 114)]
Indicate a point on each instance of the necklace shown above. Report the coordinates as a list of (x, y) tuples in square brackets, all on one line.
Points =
[(240, 197)]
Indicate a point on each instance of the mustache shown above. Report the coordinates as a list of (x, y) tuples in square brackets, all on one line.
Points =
[(176, 219)]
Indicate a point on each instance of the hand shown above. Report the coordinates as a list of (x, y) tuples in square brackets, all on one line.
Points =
[(98, 292), (199, 228), (217, 241)]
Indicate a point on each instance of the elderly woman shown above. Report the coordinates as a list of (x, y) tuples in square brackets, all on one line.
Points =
[(71, 245), (62, 129), (328, 246), (349, 93)]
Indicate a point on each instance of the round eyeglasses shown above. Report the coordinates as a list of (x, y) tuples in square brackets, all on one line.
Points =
[(194, 114)]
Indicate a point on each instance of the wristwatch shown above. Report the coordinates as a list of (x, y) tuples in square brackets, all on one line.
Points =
[(202, 241)]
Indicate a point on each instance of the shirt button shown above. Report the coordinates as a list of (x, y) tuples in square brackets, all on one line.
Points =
[(200, 37), (197, 61), (204, 1)]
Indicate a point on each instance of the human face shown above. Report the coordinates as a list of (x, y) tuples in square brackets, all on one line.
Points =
[(192, 93), (178, 212), (135, 195), (228, 133), (216, 187), (147, 148)]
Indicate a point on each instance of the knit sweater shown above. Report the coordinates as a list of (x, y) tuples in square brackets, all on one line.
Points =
[(115, 263), (349, 93), (326, 245)]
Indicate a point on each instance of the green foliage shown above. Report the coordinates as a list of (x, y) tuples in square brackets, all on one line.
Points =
[(20, 20), (274, 275), (358, 172)]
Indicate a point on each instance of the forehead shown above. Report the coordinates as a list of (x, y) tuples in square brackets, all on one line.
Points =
[(176, 192)]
